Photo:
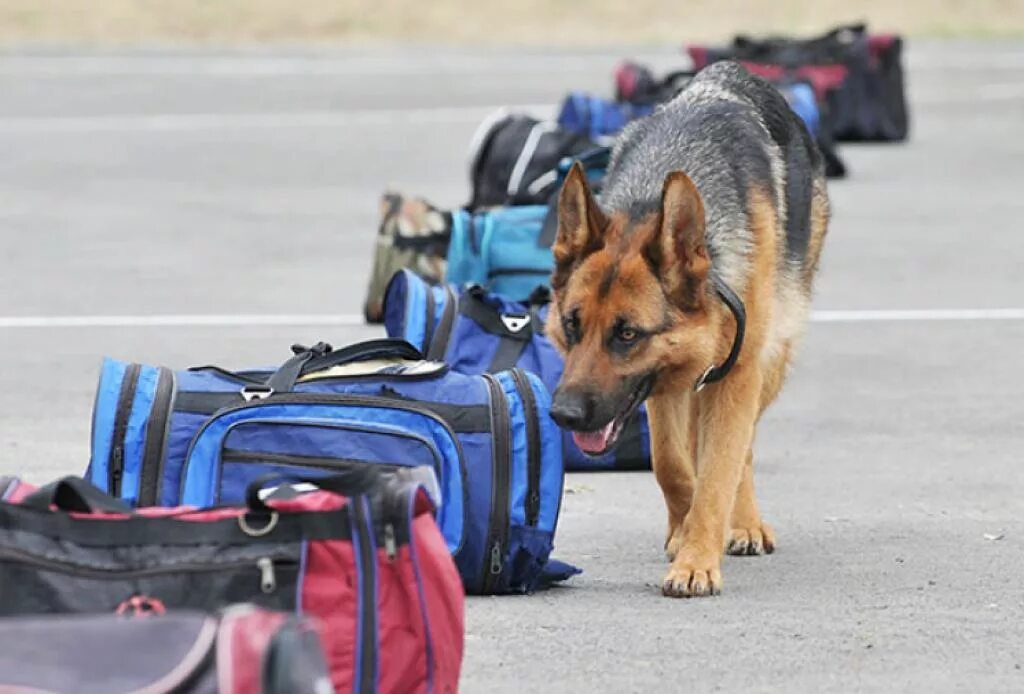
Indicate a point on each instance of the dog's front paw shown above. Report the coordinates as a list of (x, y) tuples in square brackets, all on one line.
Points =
[(751, 541), (693, 574)]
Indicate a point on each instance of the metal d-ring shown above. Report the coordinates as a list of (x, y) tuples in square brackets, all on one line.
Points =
[(258, 532)]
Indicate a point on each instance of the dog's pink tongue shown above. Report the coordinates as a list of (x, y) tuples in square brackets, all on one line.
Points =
[(593, 441)]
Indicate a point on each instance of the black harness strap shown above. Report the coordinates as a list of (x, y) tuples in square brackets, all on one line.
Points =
[(735, 304)]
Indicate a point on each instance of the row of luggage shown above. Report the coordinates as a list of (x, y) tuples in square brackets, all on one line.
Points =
[(314, 525), (846, 85), (305, 527)]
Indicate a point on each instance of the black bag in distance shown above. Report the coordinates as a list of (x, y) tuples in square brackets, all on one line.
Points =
[(868, 102), (514, 155)]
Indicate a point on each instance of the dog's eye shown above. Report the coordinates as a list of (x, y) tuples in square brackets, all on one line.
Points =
[(571, 326), (627, 334)]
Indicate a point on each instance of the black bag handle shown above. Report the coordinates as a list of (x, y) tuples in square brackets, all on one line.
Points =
[(76, 495), (322, 356), (351, 482), (596, 157)]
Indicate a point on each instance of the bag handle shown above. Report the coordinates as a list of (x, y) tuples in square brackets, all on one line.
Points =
[(323, 356), (352, 482), (75, 495), (597, 157)]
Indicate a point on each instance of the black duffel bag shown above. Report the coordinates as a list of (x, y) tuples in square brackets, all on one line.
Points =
[(863, 73), (515, 158)]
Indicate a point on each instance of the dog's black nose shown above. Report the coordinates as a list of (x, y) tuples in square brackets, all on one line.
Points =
[(571, 410)]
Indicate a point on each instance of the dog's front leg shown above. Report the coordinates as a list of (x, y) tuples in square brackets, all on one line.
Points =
[(673, 420), (728, 414)]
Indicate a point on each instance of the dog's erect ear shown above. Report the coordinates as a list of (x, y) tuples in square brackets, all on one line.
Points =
[(677, 248), (581, 225)]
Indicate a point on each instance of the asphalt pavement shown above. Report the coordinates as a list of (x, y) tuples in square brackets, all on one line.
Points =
[(243, 185)]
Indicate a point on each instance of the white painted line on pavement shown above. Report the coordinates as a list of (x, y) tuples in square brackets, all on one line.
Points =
[(163, 122), (1007, 91), (242, 320), (298, 119), (936, 314)]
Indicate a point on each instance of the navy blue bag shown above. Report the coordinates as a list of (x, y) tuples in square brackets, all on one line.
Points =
[(477, 332), (597, 117), (200, 437)]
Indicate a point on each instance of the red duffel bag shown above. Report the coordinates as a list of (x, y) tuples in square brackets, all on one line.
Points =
[(361, 554)]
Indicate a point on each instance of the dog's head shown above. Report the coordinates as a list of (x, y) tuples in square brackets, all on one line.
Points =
[(630, 306)]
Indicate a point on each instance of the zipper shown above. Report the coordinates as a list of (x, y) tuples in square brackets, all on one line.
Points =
[(239, 376), (234, 455), (532, 505), (497, 527), (473, 245), (115, 464), (390, 544), (438, 346), (268, 582), (156, 438), (428, 329), (501, 271), (368, 602), (263, 565)]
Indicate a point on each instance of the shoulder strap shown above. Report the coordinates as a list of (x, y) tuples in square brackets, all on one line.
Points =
[(321, 356), (351, 482), (595, 158)]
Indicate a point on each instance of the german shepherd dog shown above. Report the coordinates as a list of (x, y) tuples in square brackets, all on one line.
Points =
[(714, 204)]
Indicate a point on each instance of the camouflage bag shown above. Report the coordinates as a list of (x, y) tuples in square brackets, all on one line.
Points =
[(413, 234)]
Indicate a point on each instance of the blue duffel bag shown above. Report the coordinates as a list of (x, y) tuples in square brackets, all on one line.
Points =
[(596, 117), (477, 332), (500, 248), (200, 437), (508, 249)]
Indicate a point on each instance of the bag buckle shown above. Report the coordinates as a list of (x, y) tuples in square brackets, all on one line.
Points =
[(256, 392), (514, 323)]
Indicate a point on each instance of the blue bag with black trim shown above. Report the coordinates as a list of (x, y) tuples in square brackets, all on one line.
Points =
[(201, 436), (477, 332)]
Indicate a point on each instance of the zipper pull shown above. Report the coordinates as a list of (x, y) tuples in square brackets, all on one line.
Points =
[(390, 546), (116, 471), (534, 503), (268, 582), (496, 559)]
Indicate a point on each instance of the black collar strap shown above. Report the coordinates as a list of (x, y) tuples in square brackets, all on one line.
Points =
[(735, 304)]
